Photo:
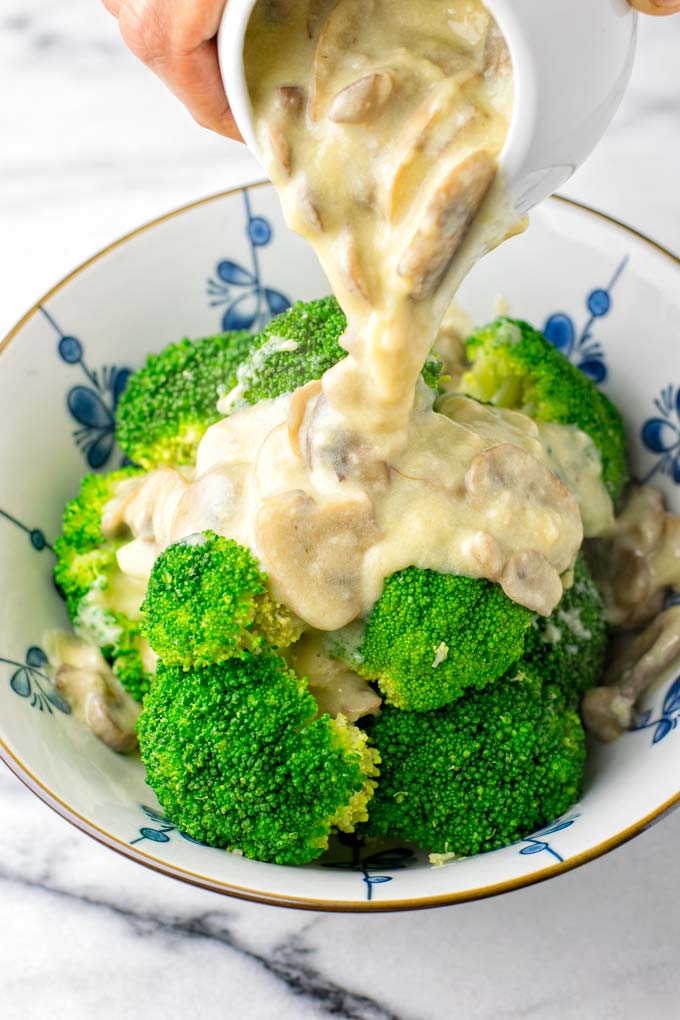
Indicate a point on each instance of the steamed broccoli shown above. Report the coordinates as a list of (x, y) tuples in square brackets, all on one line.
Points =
[(431, 636), (298, 346), (169, 403), (478, 774), (568, 647), (99, 598), (237, 760), (208, 600), (514, 366)]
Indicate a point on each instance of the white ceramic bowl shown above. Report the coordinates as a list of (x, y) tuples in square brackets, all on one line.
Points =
[(611, 301)]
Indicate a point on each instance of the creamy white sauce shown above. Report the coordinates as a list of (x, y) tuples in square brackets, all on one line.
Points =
[(421, 509)]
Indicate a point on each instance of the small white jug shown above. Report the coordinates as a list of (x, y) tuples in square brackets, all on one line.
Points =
[(572, 60)]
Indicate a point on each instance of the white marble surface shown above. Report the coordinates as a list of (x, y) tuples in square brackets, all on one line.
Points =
[(90, 146)]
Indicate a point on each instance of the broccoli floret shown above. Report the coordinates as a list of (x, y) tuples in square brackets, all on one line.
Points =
[(514, 366), (431, 636), (483, 772), (298, 346), (294, 348), (432, 370), (208, 600), (98, 596), (237, 760), (169, 403), (568, 647)]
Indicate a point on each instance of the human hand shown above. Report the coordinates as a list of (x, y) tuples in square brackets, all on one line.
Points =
[(177, 40), (659, 7)]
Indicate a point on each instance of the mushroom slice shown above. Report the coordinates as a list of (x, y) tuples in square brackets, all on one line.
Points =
[(496, 53), (444, 223), (607, 711), (337, 37), (362, 100), (353, 270), (505, 467), (152, 505), (136, 559), (530, 580), (278, 146), (309, 210), (301, 401), (290, 99), (94, 692), (326, 444), (114, 517), (505, 472), (637, 559), (354, 459), (313, 552), (207, 503), (640, 525), (426, 133), (101, 710), (351, 458), (486, 551), (337, 688), (624, 577)]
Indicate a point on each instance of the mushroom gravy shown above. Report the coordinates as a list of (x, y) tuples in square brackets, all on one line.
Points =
[(382, 122)]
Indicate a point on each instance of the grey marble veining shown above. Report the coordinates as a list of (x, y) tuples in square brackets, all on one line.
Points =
[(86, 932), (90, 146)]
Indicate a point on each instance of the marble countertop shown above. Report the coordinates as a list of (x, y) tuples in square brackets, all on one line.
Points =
[(91, 146)]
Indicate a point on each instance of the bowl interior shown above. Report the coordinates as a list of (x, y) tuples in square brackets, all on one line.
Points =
[(607, 298)]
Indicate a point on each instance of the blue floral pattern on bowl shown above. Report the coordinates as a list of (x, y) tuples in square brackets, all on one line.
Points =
[(661, 435), (670, 714), (375, 866), (250, 303), (29, 680), (371, 865), (92, 406), (36, 536), (537, 844), (581, 348), (162, 834)]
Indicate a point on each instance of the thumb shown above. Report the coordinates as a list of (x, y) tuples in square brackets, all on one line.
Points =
[(659, 7)]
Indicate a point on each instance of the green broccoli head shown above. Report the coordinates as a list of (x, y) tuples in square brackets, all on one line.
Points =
[(431, 636), (514, 366), (102, 603), (480, 773), (568, 647), (208, 601), (237, 760), (298, 346), (431, 371), (294, 348), (169, 404)]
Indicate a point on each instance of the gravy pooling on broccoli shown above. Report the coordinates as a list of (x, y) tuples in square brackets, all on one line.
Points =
[(381, 122)]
